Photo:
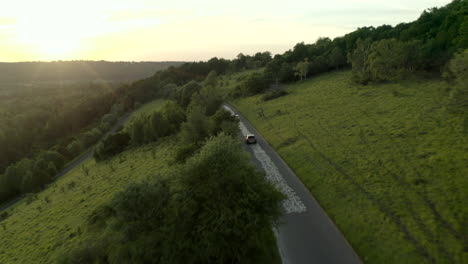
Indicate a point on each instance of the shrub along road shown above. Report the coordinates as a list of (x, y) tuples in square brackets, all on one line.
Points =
[(305, 233), (75, 163)]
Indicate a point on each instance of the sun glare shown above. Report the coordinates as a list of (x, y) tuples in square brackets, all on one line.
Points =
[(54, 35)]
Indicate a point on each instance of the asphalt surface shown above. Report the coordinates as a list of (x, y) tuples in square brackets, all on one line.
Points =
[(305, 233), (76, 163)]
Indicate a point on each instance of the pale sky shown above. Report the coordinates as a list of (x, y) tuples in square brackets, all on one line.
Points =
[(144, 30)]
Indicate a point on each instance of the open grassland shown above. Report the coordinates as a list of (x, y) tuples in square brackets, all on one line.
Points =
[(386, 162), (56, 217)]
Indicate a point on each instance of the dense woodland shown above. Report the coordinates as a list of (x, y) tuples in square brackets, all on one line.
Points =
[(61, 121), (41, 128)]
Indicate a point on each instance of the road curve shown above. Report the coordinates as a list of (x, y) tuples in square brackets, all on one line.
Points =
[(305, 233), (75, 163)]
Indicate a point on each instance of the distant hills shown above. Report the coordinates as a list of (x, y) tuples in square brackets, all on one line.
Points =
[(79, 71)]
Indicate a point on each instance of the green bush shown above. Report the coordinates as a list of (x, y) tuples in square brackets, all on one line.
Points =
[(74, 148), (109, 119), (91, 251), (90, 137), (174, 114), (196, 128), (184, 151), (255, 83), (185, 93), (5, 190), (136, 130), (458, 68), (111, 145), (226, 204), (142, 207), (152, 127)]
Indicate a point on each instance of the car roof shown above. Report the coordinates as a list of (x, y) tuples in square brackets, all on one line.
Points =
[(250, 135)]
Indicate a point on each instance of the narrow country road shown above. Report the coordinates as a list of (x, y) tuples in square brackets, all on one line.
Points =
[(305, 233), (75, 163)]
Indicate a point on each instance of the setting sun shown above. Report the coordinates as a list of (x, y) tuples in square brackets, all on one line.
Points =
[(53, 35)]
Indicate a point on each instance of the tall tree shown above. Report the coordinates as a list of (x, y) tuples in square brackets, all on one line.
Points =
[(302, 68), (359, 60), (337, 58)]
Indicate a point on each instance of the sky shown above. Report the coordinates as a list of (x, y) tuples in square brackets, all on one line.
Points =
[(155, 30)]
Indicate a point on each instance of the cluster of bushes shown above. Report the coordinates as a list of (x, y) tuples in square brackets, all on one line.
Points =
[(255, 83), (90, 137), (142, 130), (384, 60), (200, 126), (194, 115), (152, 127), (214, 208), (111, 145), (458, 72)]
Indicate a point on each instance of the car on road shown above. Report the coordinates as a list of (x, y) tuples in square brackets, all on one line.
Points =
[(250, 139)]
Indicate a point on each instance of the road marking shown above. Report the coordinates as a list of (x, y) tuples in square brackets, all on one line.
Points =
[(292, 203)]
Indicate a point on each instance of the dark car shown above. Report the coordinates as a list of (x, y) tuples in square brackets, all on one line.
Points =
[(250, 139)]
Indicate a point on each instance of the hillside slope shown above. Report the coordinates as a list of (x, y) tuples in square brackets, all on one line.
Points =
[(56, 218), (386, 162)]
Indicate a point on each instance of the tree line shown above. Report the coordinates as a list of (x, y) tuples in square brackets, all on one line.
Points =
[(384, 52)]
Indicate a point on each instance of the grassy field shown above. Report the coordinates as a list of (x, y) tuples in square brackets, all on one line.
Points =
[(386, 162), (56, 217)]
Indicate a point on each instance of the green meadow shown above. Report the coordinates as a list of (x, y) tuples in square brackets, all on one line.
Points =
[(386, 161)]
